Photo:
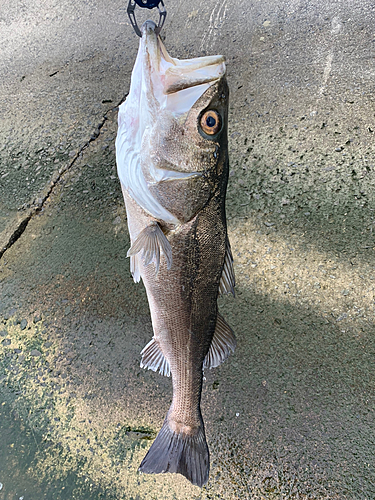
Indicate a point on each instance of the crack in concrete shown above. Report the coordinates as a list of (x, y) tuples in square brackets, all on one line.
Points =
[(46, 193)]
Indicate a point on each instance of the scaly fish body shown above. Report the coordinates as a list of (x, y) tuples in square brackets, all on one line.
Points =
[(172, 159)]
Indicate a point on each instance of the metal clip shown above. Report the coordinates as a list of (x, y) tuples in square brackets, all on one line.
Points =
[(149, 4)]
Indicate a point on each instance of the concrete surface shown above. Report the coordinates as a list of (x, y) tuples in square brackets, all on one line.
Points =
[(291, 414)]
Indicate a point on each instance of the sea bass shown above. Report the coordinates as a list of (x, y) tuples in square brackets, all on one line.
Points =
[(172, 158)]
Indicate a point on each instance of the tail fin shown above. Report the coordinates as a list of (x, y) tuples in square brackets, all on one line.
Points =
[(179, 452)]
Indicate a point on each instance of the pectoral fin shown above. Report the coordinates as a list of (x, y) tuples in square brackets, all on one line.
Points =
[(223, 343), (153, 359), (227, 281), (150, 241), (134, 268)]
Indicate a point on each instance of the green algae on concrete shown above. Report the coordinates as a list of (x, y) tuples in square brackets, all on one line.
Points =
[(21, 452)]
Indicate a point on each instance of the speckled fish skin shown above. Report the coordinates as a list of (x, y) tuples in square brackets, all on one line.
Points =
[(182, 289)]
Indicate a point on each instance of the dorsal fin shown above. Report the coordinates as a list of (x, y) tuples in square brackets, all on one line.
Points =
[(153, 359), (227, 281), (222, 345)]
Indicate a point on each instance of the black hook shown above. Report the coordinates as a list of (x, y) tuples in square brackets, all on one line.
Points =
[(148, 4)]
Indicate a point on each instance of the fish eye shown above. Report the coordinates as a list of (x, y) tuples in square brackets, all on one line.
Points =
[(210, 122)]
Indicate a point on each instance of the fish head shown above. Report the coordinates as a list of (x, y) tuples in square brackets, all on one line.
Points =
[(172, 140)]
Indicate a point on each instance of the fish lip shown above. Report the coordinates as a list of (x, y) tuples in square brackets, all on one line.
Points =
[(150, 42), (148, 26)]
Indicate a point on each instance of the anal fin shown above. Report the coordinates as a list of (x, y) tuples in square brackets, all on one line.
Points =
[(153, 359), (151, 241), (227, 281), (222, 345)]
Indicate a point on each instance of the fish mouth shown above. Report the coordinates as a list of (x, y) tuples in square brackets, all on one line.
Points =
[(176, 84)]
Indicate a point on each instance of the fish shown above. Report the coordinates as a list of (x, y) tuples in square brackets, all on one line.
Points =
[(172, 162)]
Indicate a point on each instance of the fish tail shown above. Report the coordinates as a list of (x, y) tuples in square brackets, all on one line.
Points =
[(179, 452)]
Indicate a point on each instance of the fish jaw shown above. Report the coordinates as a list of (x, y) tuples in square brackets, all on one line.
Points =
[(160, 86), (175, 84)]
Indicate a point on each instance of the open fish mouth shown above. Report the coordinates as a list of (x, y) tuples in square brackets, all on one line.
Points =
[(176, 84)]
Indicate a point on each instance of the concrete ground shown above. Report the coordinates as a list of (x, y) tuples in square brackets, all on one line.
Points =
[(291, 414)]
